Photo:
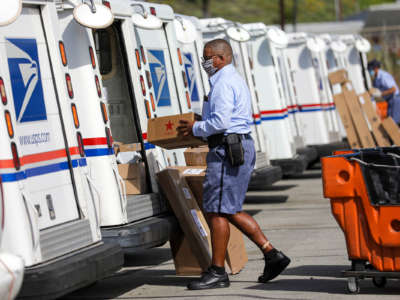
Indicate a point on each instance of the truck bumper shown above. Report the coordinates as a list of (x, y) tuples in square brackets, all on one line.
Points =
[(145, 234), (80, 268), (265, 177)]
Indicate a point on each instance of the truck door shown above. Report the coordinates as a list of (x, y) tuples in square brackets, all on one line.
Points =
[(155, 70), (46, 160)]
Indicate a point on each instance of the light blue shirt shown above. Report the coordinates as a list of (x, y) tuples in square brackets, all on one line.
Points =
[(228, 109), (384, 81)]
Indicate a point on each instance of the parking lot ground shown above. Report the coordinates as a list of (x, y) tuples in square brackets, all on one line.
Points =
[(297, 220)]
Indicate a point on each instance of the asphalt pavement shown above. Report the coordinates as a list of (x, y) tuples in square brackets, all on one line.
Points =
[(296, 218)]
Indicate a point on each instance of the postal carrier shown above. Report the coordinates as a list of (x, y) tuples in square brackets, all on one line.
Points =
[(51, 209), (135, 87), (264, 174)]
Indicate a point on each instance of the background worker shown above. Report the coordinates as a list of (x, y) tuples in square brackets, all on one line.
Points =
[(387, 87), (226, 125)]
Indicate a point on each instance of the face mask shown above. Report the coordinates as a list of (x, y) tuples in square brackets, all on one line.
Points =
[(372, 73), (208, 67)]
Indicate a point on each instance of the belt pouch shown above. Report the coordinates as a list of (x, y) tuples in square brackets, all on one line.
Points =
[(234, 149)]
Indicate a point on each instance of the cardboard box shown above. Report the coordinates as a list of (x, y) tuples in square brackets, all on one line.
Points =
[(338, 76), (374, 120), (136, 186), (185, 262), (130, 147), (354, 107), (134, 176), (347, 121), (121, 147), (132, 171), (392, 130), (162, 132), (196, 156), (188, 213), (236, 255)]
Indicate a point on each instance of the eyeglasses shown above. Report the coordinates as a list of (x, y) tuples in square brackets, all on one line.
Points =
[(204, 58)]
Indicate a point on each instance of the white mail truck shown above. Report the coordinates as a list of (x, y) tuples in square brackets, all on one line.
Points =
[(51, 207), (125, 76), (284, 143)]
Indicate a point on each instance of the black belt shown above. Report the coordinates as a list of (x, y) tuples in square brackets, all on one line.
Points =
[(220, 139)]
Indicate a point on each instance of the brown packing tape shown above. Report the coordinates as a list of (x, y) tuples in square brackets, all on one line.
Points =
[(347, 121), (357, 116), (374, 120)]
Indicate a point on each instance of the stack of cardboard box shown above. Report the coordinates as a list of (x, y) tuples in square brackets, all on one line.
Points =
[(359, 117)]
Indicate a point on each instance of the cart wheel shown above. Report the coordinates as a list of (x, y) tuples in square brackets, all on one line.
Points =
[(379, 282), (353, 285)]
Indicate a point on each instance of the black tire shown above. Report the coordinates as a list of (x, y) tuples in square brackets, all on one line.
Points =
[(379, 282)]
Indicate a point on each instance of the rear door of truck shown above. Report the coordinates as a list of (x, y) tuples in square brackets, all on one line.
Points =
[(34, 105)]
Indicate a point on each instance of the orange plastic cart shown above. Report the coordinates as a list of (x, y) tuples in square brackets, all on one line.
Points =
[(364, 190)]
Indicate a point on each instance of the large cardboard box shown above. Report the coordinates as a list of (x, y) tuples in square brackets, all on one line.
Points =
[(188, 213), (392, 130), (354, 107), (338, 77), (162, 132), (236, 255), (196, 156), (374, 120)]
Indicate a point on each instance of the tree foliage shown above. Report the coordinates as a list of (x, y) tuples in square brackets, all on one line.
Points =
[(267, 11)]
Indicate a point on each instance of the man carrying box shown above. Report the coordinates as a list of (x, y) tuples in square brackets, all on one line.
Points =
[(226, 125), (386, 87)]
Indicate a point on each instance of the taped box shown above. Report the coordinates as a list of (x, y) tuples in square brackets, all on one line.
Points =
[(162, 132), (134, 176), (236, 255), (189, 215), (196, 156)]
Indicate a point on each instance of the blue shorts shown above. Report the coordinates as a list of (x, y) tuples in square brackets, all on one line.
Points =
[(225, 186)]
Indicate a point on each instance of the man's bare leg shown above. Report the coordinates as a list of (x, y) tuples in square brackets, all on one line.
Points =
[(275, 261), (246, 224), (216, 276), (219, 227)]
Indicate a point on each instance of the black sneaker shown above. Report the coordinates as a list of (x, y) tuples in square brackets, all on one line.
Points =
[(210, 280), (275, 263)]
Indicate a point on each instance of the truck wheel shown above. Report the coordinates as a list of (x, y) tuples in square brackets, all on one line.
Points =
[(379, 282)]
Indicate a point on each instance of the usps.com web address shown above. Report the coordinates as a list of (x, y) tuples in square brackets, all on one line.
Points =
[(35, 139)]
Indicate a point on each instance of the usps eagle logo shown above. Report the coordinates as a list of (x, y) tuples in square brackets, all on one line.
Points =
[(159, 78), (191, 77), (26, 83)]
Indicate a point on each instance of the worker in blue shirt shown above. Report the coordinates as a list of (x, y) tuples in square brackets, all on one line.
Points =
[(387, 89), (226, 121)]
